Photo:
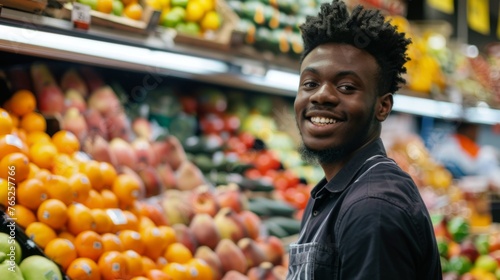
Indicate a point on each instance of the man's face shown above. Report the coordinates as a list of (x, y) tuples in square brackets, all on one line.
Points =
[(336, 103)]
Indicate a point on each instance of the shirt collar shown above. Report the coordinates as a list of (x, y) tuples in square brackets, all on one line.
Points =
[(340, 182)]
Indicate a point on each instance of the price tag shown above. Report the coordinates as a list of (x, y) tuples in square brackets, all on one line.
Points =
[(80, 16)]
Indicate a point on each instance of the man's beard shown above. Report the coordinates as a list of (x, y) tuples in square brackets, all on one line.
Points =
[(318, 157)]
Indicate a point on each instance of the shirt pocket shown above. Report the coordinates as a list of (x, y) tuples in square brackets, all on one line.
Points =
[(310, 261)]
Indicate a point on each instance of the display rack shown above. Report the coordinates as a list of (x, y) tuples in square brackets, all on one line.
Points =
[(46, 37)]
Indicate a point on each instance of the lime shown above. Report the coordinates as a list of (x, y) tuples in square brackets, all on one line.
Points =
[(171, 19), (117, 8), (211, 21), (179, 10), (179, 3), (91, 3), (190, 28)]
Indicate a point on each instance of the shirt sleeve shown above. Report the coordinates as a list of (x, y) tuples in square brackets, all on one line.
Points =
[(377, 240)]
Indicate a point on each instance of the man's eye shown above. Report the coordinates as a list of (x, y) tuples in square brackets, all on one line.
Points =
[(346, 88), (309, 84)]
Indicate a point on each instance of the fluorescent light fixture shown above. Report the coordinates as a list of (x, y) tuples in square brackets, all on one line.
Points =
[(281, 79), (426, 107), (18, 39), (483, 115)]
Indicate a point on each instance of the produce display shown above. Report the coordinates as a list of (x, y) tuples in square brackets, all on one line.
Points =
[(111, 187)]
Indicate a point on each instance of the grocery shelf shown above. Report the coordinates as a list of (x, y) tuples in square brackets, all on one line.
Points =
[(155, 52)]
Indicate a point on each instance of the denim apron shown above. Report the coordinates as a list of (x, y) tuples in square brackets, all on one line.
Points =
[(319, 257)]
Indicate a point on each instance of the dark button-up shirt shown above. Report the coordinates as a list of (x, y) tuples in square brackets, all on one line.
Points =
[(368, 222)]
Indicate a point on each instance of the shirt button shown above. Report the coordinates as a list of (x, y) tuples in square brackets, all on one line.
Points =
[(315, 213)]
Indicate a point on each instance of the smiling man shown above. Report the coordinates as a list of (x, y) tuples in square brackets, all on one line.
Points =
[(365, 219)]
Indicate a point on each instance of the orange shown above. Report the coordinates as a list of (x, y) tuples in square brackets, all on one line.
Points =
[(134, 263), (66, 142), (178, 253), (67, 235), (128, 2), (4, 193), (132, 240), (161, 262), (61, 251), (21, 133), (144, 223), (83, 269), (126, 188), (43, 154), (156, 274), (40, 233), (15, 120), (133, 11), (176, 270), (63, 165), (11, 143), (22, 102), (37, 137), (109, 199), (132, 220), (111, 242), (104, 6), (93, 171), (204, 271), (147, 264), (108, 173), (58, 187), (31, 193), (33, 170), (6, 123), (24, 216), (168, 234), (102, 221), (43, 175), (80, 187), (139, 278), (14, 167), (154, 241), (113, 265), (80, 219), (33, 121), (94, 200), (53, 212), (89, 245)]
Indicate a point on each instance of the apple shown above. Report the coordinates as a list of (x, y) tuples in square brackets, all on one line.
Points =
[(486, 263)]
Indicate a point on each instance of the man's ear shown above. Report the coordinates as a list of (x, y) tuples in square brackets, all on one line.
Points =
[(384, 106)]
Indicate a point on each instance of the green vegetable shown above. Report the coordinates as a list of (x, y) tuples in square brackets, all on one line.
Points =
[(459, 264), (459, 228)]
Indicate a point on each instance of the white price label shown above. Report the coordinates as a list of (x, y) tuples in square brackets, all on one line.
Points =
[(80, 16)]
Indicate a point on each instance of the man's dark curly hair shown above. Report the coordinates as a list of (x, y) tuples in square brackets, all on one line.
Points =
[(364, 29)]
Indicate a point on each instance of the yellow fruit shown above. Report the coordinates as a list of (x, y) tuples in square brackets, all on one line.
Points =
[(208, 5), (194, 11), (211, 21), (104, 6), (133, 11), (66, 142)]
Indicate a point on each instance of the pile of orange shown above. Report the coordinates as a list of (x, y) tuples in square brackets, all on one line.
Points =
[(83, 213)]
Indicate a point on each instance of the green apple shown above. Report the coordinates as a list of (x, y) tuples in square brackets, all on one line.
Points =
[(8, 270), (10, 247), (486, 263), (180, 11), (179, 3), (171, 19), (40, 268), (117, 8), (91, 3)]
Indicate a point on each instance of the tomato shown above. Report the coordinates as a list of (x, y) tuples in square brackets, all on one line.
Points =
[(189, 104), (234, 144), (266, 161), (247, 138), (231, 123), (253, 173), (211, 123)]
